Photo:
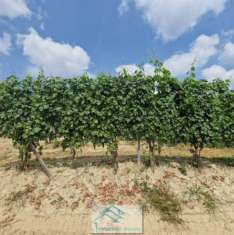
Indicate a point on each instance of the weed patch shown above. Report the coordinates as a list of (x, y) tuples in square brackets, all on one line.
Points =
[(182, 169), (202, 194), (161, 199)]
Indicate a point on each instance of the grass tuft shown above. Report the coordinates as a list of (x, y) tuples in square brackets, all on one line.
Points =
[(202, 194), (161, 199)]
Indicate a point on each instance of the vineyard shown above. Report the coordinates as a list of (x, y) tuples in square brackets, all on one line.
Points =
[(159, 110), (117, 117), (87, 135)]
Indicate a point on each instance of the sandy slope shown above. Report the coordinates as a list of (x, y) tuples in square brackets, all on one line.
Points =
[(30, 204)]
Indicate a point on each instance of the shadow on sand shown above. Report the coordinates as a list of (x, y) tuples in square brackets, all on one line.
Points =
[(107, 161)]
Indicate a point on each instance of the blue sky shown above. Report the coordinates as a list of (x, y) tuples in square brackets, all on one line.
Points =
[(72, 37)]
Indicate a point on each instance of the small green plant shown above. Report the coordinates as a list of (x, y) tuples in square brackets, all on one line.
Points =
[(195, 192), (57, 143), (209, 202), (166, 203), (162, 200), (146, 160), (143, 186), (202, 194), (182, 169)]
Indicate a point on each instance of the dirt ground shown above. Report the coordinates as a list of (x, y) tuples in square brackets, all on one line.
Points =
[(32, 204), (9, 154)]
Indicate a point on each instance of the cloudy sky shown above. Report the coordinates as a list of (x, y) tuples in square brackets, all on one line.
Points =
[(69, 38)]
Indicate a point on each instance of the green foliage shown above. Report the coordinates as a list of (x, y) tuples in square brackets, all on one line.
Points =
[(227, 117), (162, 200), (158, 109), (204, 195), (201, 112), (146, 160), (182, 168)]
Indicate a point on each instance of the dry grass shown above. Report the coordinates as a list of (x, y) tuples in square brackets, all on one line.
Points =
[(9, 154), (62, 205)]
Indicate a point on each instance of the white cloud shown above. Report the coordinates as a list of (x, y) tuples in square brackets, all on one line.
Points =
[(200, 52), (217, 71), (91, 75), (149, 69), (227, 55), (14, 8), (33, 70), (170, 19), (5, 44), (133, 68), (130, 68), (53, 57)]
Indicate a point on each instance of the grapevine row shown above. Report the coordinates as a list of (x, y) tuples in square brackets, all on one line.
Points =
[(158, 109)]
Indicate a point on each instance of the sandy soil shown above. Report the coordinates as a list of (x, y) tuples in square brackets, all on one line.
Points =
[(9, 154), (31, 204)]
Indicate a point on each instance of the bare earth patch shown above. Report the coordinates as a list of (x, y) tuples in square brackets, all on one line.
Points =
[(9, 154), (201, 200), (30, 204)]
